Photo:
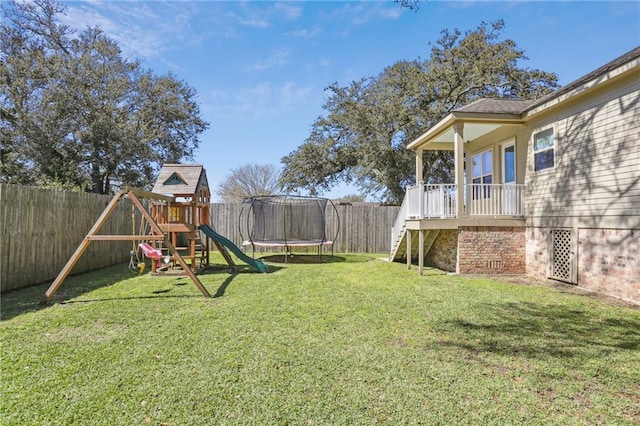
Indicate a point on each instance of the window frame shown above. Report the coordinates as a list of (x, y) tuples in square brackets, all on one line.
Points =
[(511, 142), (552, 148), (478, 194)]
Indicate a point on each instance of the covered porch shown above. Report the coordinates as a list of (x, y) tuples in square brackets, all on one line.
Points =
[(487, 188)]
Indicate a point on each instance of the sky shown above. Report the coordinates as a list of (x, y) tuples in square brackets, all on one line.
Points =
[(260, 67)]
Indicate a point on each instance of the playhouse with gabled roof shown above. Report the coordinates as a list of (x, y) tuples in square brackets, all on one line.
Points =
[(181, 219), (183, 181), (170, 232)]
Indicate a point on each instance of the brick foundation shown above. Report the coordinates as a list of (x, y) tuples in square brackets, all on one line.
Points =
[(537, 251), (609, 262), (491, 250), (443, 251)]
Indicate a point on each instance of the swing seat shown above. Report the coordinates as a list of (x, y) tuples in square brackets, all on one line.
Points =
[(152, 253)]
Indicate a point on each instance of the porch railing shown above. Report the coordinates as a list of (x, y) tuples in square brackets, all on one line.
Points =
[(431, 201), (439, 201), (403, 215), (495, 200)]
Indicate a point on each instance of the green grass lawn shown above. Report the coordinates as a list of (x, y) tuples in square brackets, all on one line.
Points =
[(351, 341)]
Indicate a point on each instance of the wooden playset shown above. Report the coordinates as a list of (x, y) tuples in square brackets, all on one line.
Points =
[(181, 218), (178, 209)]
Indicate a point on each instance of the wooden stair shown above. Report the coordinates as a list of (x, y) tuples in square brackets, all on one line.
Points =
[(400, 248)]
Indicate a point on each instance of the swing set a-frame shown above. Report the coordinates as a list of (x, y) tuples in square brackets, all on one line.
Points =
[(156, 234)]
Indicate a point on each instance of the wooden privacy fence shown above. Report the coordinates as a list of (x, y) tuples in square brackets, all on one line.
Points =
[(41, 228), (364, 228)]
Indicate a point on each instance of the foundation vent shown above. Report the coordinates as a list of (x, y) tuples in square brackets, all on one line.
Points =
[(494, 264), (561, 254)]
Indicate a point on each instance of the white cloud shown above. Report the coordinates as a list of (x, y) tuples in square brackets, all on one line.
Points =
[(119, 23), (261, 100), (149, 30), (277, 58), (251, 16), (306, 33), (288, 10), (289, 94), (141, 29), (390, 12), (254, 22), (366, 11), (262, 14), (316, 63)]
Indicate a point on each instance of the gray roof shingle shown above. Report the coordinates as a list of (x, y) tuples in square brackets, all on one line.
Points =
[(180, 179), (497, 106)]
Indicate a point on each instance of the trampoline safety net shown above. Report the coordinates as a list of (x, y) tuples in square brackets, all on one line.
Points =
[(285, 220)]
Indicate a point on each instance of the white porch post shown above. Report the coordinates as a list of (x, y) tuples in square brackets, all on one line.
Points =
[(409, 242), (469, 176), (421, 252), (458, 158), (419, 172)]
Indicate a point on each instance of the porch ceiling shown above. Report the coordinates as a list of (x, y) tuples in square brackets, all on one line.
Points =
[(475, 125), (471, 131)]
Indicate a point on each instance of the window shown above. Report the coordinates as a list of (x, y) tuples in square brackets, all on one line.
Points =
[(543, 150), (509, 163), (482, 173)]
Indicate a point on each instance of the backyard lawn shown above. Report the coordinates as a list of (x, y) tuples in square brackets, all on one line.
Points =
[(351, 341)]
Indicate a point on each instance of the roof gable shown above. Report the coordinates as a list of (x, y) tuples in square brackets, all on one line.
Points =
[(174, 179), (181, 179)]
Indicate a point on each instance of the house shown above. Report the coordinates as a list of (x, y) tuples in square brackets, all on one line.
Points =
[(548, 188)]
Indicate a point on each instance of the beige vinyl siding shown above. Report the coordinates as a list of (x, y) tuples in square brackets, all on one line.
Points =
[(596, 178)]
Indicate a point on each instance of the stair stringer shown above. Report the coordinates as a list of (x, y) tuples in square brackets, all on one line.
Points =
[(400, 248)]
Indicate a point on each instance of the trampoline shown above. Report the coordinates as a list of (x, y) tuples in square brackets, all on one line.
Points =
[(288, 221)]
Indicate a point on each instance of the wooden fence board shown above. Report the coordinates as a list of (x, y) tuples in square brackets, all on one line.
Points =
[(363, 228), (40, 229)]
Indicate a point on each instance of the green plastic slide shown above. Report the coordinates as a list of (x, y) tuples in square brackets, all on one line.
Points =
[(256, 264)]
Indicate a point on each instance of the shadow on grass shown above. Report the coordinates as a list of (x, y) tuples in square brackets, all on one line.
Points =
[(224, 285), (30, 299), (314, 258), (543, 332), (123, 298), (239, 269)]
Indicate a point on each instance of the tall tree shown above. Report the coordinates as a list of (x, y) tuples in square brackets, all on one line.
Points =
[(75, 112), (247, 181), (363, 134)]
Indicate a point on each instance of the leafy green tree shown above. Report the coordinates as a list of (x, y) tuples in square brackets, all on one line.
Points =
[(351, 198), (247, 181), (23, 61), (362, 136), (76, 113)]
